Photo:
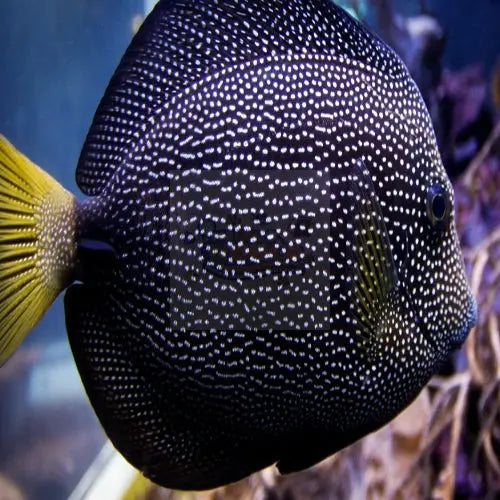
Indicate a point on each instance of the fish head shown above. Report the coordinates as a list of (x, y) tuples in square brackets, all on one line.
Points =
[(434, 274), (409, 302), (417, 205)]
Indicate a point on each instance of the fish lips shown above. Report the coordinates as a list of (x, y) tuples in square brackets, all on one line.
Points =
[(459, 336), (456, 338)]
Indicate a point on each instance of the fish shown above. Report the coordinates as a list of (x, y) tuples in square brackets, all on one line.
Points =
[(265, 266)]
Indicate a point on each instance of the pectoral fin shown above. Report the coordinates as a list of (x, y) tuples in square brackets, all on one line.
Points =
[(376, 278)]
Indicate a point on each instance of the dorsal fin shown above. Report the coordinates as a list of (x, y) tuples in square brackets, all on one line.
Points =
[(183, 41)]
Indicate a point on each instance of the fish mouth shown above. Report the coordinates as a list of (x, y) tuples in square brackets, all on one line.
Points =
[(470, 322), (457, 337)]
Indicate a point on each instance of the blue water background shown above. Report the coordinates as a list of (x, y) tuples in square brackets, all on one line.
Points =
[(471, 28), (56, 57)]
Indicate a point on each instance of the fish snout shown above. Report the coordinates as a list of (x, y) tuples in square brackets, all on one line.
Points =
[(469, 322), (472, 315)]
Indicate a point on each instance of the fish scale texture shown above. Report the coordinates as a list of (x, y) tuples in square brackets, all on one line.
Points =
[(185, 41), (281, 284)]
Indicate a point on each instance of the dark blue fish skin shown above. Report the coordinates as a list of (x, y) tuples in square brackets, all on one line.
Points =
[(283, 283), (183, 42)]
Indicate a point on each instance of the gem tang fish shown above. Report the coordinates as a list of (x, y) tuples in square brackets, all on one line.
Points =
[(266, 266)]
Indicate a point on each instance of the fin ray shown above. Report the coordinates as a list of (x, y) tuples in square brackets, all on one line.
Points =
[(376, 277), (32, 272)]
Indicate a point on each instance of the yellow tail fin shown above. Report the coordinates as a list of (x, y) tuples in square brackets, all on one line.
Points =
[(37, 244)]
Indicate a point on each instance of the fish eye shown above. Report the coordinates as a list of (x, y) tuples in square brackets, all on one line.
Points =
[(438, 207)]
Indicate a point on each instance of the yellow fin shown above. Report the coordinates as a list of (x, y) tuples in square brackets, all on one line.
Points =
[(37, 245), (376, 277)]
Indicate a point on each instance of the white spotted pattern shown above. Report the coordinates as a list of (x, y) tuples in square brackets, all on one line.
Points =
[(280, 287)]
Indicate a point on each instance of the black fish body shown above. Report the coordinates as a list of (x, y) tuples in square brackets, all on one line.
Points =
[(267, 267)]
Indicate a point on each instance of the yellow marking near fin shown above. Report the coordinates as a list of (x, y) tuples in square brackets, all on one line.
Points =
[(138, 488), (376, 277), (37, 248)]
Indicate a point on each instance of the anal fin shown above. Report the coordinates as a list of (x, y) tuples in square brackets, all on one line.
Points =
[(171, 447)]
